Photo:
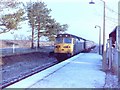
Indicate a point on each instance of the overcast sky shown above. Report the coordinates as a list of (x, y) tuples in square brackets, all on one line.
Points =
[(81, 17)]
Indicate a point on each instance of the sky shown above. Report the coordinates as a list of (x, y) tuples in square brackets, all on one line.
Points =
[(80, 16)]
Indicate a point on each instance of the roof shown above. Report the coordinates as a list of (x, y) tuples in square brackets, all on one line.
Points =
[(113, 33), (70, 35)]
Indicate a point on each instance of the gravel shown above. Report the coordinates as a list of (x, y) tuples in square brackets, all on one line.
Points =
[(111, 81)]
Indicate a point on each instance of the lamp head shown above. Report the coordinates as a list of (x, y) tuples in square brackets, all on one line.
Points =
[(91, 2)]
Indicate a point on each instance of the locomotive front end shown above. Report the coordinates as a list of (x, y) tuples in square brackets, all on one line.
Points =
[(63, 46)]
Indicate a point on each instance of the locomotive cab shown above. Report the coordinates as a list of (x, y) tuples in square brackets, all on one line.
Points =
[(64, 45)]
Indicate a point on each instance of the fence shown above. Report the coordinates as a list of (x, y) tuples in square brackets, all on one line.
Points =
[(22, 43), (9, 47)]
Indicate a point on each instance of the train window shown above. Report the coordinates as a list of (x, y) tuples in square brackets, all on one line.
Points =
[(81, 40), (59, 40), (74, 40), (67, 40)]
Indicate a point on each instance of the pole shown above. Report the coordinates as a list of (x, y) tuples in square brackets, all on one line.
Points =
[(99, 36), (104, 45), (13, 48), (99, 41)]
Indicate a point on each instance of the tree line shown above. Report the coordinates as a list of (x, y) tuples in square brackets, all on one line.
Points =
[(38, 16)]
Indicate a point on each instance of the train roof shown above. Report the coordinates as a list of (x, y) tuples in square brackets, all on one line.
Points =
[(70, 35)]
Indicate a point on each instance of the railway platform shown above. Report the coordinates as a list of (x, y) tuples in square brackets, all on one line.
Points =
[(81, 71)]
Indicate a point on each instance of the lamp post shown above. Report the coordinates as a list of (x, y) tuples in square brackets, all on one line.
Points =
[(104, 45), (99, 36)]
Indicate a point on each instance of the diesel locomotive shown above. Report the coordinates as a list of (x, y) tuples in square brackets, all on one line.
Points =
[(67, 45)]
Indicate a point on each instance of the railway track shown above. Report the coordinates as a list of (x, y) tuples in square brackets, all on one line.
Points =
[(28, 74)]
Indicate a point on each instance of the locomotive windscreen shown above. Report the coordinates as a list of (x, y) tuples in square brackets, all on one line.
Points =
[(59, 40), (63, 40)]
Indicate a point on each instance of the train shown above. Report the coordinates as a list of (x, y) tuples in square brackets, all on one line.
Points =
[(67, 45)]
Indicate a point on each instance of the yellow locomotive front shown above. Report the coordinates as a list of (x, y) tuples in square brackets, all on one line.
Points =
[(64, 45)]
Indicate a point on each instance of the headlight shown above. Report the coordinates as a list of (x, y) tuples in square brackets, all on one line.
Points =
[(66, 46), (57, 46)]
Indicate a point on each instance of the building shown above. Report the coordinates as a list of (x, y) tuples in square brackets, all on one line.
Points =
[(113, 51)]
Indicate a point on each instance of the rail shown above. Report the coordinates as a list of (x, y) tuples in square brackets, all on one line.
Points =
[(28, 74)]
